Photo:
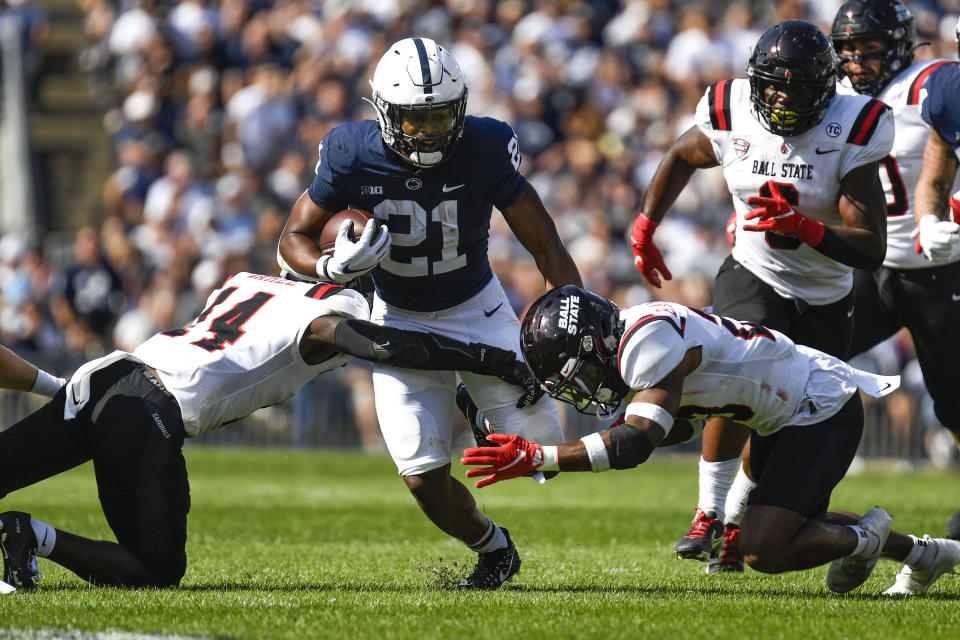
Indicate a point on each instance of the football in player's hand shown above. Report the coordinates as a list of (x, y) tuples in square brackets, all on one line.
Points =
[(327, 238)]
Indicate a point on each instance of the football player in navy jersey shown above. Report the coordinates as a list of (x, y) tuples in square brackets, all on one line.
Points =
[(917, 286), (937, 212), (432, 175), (800, 161)]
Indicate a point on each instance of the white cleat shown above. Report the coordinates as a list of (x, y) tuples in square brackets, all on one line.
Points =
[(846, 574), (911, 582)]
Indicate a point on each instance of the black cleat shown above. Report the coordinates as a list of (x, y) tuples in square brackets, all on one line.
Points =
[(953, 527), (698, 543), (478, 424), (730, 558), (494, 568), (19, 546)]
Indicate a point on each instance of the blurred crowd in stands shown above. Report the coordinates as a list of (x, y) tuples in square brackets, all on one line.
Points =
[(215, 111)]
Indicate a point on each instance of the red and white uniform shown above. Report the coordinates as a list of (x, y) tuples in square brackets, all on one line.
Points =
[(900, 170), (243, 352), (855, 130), (752, 374)]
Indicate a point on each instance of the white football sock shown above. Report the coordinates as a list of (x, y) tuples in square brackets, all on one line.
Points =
[(715, 481), (46, 537), (492, 540), (922, 554), (737, 497)]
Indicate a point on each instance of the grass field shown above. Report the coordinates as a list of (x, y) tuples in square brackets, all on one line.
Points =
[(298, 544)]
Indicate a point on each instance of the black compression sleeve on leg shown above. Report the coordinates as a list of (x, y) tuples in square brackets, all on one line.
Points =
[(407, 349), (629, 447)]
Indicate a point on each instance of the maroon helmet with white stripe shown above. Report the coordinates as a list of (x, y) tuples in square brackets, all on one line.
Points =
[(421, 101)]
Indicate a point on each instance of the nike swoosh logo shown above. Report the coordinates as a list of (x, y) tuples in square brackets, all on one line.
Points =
[(886, 385), (492, 311), (955, 297), (520, 456), (504, 574), (73, 392), (850, 313), (820, 151), (348, 270), (447, 189)]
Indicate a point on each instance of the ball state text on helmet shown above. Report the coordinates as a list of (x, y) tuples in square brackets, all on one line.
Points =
[(569, 311)]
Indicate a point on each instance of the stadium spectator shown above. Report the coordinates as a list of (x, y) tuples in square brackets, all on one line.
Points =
[(789, 271), (684, 365), (433, 175), (129, 412)]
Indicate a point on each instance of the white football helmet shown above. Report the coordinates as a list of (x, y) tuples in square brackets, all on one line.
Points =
[(421, 101)]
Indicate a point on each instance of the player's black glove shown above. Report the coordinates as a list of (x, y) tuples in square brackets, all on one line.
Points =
[(503, 363)]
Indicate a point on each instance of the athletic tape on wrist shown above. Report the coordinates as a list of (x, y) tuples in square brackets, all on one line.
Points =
[(653, 412), (551, 459), (596, 451), (322, 262)]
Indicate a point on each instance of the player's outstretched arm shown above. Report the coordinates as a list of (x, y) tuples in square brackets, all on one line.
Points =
[(649, 423), (691, 151), (414, 350), (862, 241), (20, 375), (534, 228)]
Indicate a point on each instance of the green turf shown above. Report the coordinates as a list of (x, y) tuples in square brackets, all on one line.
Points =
[(329, 545)]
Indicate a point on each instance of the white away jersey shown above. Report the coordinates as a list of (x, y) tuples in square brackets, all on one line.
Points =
[(855, 130), (242, 352), (747, 372), (900, 170)]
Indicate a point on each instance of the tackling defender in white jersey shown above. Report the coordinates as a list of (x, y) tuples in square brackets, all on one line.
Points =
[(257, 342), (684, 366), (801, 165)]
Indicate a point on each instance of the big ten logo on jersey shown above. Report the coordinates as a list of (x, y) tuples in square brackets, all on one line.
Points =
[(569, 313), (792, 170)]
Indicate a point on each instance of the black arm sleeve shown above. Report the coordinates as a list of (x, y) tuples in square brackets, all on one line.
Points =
[(416, 350), (629, 447)]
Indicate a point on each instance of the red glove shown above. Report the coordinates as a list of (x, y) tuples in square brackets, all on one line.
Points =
[(732, 229), (514, 458), (647, 258), (779, 216)]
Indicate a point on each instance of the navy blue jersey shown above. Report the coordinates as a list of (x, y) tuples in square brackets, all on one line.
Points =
[(439, 218), (940, 108)]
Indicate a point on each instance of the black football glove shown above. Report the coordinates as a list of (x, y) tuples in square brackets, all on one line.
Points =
[(503, 363)]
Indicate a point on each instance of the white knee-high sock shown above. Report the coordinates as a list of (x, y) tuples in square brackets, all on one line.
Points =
[(715, 481), (737, 497)]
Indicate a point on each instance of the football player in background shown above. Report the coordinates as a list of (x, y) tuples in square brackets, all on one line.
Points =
[(433, 175), (918, 286), (257, 342), (685, 365), (801, 164)]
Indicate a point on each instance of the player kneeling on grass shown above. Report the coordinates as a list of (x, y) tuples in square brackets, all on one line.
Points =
[(685, 365), (257, 342)]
